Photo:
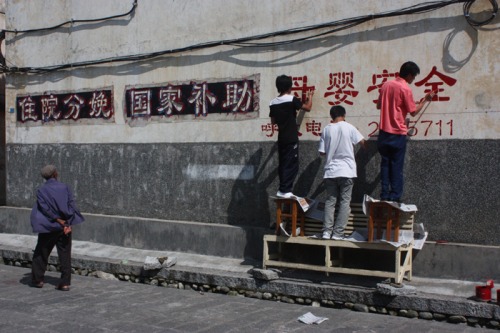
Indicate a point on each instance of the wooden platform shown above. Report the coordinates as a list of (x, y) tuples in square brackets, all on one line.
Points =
[(275, 245)]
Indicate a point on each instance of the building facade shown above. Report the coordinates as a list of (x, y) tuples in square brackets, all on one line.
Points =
[(158, 110)]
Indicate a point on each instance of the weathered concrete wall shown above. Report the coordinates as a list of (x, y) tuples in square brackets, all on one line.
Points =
[(221, 170), (346, 67), (447, 180), (2, 111), (452, 260), (153, 234)]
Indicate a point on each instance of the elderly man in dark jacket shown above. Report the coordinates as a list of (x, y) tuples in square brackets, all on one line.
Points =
[(52, 218)]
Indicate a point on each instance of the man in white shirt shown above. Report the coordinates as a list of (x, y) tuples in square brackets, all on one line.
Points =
[(337, 144)]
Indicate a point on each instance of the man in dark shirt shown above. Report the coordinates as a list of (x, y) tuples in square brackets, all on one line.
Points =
[(52, 217), (283, 112)]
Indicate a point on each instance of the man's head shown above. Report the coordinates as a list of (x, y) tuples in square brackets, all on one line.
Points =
[(408, 71), (49, 171), (283, 83), (337, 111)]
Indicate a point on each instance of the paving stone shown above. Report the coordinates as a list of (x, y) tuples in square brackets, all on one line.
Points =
[(439, 316), (360, 308), (425, 315), (412, 314), (106, 276), (387, 289), (333, 295), (457, 319), (265, 274), (115, 306)]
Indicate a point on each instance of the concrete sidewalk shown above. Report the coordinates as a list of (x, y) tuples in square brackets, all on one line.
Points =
[(118, 254), (422, 295), (104, 306)]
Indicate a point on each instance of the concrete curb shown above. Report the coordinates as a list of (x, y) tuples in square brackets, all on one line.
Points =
[(285, 288), (470, 262)]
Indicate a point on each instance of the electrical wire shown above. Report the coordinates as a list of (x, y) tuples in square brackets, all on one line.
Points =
[(475, 23), (134, 6), (251, 41)]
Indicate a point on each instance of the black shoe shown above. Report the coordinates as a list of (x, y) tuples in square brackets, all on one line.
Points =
[(63, 287), (37, 284)]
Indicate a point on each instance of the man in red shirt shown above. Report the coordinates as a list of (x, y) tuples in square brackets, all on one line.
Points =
[(395, 103)]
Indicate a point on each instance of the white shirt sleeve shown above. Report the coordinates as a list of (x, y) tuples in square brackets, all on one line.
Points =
[(321, 148), (356, 136)]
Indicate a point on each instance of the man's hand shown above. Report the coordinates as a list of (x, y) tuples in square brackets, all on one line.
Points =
[(309, 95), (307, 106), (430, 95), (67, 230), (362, 143), (420, 105)]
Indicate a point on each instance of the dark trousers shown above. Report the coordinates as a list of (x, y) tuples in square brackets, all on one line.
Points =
[(288, 165), (392, 148), (44, 247)]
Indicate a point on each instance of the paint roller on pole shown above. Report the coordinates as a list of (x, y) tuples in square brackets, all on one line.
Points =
[(427, 98)]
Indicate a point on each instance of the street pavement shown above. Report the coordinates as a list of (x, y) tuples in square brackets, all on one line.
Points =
[(99, 305)]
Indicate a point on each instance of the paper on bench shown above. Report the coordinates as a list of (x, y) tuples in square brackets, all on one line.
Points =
[(316, 211), (304, 203), (407, 208), (419, 241), (361, 235), (405, 238)]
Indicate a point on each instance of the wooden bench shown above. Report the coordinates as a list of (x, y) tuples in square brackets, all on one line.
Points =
[(334, 259)]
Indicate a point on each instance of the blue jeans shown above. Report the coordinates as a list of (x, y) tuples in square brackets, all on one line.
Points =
[(392, 149), (337, 189)]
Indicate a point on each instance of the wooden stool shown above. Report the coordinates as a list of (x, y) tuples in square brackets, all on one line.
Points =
[(382, 214), (289, 210)]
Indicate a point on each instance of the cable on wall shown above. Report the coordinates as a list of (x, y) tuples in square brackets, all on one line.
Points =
[(134, 6), (475, 23), (251, 41)]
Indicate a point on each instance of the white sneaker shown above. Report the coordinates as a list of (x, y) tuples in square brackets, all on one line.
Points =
[(326, 235), (284, 195), (338, 237)]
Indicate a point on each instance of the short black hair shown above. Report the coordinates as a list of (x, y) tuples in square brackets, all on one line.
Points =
[(337, 111), (48, 171), (283, 83), (409, 68)]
